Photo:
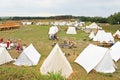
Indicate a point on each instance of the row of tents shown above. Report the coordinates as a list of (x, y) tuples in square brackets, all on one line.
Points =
[(100, 36), (56, 23), (54, 30), (30, 56), (72, 30), (101, 33), (92, 57)]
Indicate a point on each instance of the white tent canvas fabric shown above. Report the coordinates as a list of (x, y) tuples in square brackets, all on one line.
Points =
[(93, 26), (102, 36), (26, 23), (30, 56), (116, 33), (53, 30), (71, 30), (115, 51), (95, 57), (92, 35), (4, 56), (109, 37), (56, 62), (99, 35)]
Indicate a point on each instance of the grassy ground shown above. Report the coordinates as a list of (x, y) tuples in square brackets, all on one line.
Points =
[(38, 36)]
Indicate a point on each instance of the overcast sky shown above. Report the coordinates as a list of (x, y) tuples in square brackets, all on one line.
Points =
[(102, 8)]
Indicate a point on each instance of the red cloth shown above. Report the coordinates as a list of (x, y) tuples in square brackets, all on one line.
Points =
[(8, 43), (1, 40), (18, 47)]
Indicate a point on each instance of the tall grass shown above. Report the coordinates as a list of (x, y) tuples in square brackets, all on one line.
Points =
[(56, 76), (25, 73)]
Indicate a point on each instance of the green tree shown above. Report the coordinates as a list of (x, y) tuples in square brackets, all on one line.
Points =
[(114, 19)]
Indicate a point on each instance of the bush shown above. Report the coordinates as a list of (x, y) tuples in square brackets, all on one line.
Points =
[(56, 76)]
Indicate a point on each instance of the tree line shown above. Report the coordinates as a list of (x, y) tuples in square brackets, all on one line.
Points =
[(112, 19)]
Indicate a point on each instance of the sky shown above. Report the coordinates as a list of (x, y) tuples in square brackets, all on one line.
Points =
[(45, 8)]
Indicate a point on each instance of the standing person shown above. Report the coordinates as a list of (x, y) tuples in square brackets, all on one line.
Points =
[(1, 40), (18, 45), (8, 44), (55, 36)]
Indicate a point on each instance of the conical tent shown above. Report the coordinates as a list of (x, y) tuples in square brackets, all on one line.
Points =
[(4, 56), (102, 36), (92, 35), (99, 36), (93, 26), (95, 57), (53, 30), (109, 37), (30, 56), (102, 67), (71, 30), (117, 33), (115, 51), (56, 62)]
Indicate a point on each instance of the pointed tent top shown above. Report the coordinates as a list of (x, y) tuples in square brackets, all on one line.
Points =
[(56, 62), (29, 56), (4, 56), (53, 30), (91, 35), (116, 33), (94, 25), (30, 51), (95, 55)]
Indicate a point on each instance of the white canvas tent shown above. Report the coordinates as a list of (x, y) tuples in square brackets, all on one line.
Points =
[(109, 38), (99, 35), (26, 23), (117, 33), (30, 56), (97, 58), (4, 56), (71, 30), (53, 30), (115, 51), (102, 36), (56, 62), (93, 26), (92, 35)]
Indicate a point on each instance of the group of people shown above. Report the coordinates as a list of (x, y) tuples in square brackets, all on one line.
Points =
[(11, 44), (69, 44), (7, 44)]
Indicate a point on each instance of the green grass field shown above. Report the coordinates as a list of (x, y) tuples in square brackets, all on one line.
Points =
[(38, 36)]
